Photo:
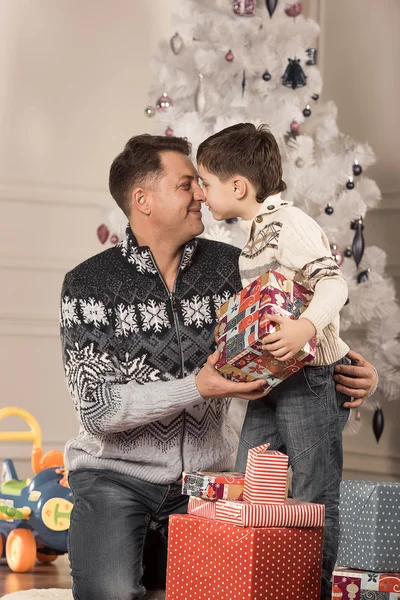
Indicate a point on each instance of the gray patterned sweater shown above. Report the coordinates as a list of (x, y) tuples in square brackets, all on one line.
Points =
[(131, 351)]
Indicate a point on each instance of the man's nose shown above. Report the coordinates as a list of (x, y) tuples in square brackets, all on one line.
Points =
[(199, 194)]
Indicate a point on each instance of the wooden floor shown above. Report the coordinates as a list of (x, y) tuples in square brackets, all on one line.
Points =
[(54, 575)]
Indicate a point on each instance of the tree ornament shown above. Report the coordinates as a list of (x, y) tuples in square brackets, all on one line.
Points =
[(350, 184), (103, 233), (294, 10), (358, 245), (176, 43), (294, 75), (337, 593), (243, 83), (357, 170), (315, 97), (363, 276), (294, 126), (163, 103), (347, 302), (243, 8), (266, 75), (352, 590), (149, 111), (114, 239), (299, 162), (231, 221), (169, 132), (329, 209), (271, 6), (348, 253), (229, 56), (312, 56), (307, 111), (337, 254), (200, 99), (378, 423)]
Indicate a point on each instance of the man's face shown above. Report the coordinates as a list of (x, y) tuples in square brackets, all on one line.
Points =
[(176, 199), (219, 197)]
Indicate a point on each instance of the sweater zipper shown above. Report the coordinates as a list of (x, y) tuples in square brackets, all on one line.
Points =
[(172, 299)]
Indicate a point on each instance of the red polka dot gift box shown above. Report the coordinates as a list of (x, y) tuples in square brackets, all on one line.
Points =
[(209, 560), (352, 584)]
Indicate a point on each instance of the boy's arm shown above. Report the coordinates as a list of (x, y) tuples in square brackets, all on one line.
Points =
[(304, 247)]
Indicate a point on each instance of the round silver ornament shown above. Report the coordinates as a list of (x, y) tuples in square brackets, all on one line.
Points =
[(149, 111), (176, 43)]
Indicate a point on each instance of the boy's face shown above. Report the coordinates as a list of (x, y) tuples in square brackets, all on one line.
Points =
[(219, 196)]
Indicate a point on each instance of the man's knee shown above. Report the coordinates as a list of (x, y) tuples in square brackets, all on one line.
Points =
[(110, 586)]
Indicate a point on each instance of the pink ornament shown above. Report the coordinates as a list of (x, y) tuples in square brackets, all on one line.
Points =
[(337, 254), (114, 239), (294, 10), (294, 126), (164, 103), (169, 132), (243, 8), (229, 57), (103, 233)]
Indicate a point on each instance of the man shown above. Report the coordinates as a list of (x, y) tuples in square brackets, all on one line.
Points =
[(137, 324)]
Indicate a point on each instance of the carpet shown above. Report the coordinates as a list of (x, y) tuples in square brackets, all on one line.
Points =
[(53, 594)]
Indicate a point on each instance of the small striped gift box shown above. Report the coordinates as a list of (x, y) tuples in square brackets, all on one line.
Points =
[(202, 508), (290, 513), (266, 476)]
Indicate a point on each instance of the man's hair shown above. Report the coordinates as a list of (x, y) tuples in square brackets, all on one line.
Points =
[(140, 164), (246, 150)]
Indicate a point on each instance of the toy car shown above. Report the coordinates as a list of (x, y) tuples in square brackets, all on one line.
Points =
[(34, 513)]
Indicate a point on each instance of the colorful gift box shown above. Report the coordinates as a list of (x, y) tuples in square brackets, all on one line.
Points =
[(203, 508), (369, 526), (290, 513), (222, 486), (361, 585), (266, 476), (244, 322), (208, 559)]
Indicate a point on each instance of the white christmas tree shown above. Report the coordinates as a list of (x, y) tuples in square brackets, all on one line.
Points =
[(242, 60)]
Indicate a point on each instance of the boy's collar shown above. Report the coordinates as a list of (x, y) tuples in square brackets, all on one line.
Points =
[(270, 205)]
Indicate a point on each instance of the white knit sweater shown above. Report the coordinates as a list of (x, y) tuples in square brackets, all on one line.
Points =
[(283, 238)]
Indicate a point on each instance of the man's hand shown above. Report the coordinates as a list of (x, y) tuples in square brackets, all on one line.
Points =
[(356, 380), (290, 338), (212, 385)]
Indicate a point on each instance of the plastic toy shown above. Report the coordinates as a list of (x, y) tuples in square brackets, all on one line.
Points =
[(34, 513)]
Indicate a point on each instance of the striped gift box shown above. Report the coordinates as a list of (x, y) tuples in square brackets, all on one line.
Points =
[(290, 513), (266, 476), (202, 508)]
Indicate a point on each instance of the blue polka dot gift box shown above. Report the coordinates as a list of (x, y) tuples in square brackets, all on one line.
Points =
[(363, 585), (370, 526)]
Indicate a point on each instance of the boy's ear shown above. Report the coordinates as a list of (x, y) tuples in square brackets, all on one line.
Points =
[(239, 188), (139, 201)]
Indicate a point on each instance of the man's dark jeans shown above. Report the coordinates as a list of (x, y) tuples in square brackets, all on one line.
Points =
[(304, 417), (118, 534)]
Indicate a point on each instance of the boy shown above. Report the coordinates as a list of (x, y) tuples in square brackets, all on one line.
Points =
[(304, 416)]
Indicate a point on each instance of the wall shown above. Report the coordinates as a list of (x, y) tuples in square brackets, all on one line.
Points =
[(73, 79)]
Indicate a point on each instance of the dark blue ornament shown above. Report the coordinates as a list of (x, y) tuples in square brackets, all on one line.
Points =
[(271, 6), (363, 276), (350, 184), (294, 75), (231, 221), (329, 210), (307, 111), (357, 169), (358, 245), (315, 97), (266, 76), (348, 253), (243, 82), (378, 423)]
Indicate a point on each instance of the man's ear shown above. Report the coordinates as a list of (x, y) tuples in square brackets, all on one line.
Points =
[(139, 201), (239, 187)]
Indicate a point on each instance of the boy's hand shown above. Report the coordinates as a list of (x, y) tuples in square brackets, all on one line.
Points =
[(290, 338), (218, 313), (211, 384)]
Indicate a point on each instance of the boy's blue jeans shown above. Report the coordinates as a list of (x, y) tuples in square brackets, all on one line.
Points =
[(117, 542), (304, 417)]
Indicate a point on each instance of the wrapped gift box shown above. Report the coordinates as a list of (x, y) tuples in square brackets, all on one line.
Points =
[(362, 585), (290, 513), (203, 508), (222, 486), (369, 526), (244, 322), (266, 476), (208, 559)]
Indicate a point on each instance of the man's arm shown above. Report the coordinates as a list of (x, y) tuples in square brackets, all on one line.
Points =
[(103, 401), (358, 380)]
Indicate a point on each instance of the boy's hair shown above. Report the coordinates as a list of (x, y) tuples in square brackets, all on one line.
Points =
[(246, 150), (140, 164)]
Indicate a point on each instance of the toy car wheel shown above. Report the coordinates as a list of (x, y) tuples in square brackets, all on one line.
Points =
[(21, 550), (1, 545), (46, 558)]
